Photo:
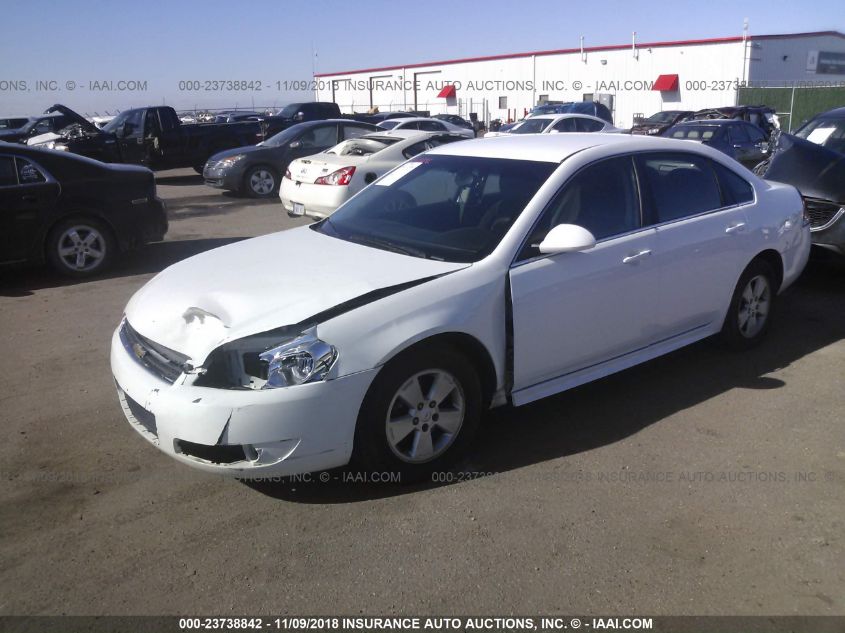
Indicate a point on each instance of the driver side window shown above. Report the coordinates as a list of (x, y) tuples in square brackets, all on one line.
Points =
[(603, 198)]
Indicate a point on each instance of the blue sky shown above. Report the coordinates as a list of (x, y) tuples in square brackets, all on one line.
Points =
[(165, 42)]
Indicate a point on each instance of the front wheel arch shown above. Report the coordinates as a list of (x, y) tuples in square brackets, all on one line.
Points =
[(466, 344)]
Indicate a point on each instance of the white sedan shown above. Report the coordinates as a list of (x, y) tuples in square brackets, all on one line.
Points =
[(317, 185), (477, 274), (425, 124), (557, 123)]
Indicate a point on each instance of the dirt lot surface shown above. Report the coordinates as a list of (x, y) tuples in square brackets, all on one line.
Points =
[(701, 483)]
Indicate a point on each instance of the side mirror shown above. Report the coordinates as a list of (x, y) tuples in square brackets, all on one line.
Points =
[(567, 238), (128, 129), (295, 144)]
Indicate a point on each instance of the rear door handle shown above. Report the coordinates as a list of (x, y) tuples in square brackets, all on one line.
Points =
[(633, 258), (736, 227), (29, 198)]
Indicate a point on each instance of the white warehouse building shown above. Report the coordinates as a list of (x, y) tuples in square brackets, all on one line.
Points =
[(633, 80)]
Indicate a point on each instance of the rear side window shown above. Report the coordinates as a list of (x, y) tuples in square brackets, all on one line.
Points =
[(416, 148), (432, 126), (678, 185), (8, 177), (564, 125), (588, 125), (28, 173), (735, 189), (755, 133), (739, 134), (323, 136), (354, 131)]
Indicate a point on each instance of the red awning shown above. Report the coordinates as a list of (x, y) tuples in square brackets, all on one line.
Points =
[(448, 91), (666, 82)]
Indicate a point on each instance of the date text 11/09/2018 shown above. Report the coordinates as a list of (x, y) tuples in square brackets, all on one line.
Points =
[(408, 623)]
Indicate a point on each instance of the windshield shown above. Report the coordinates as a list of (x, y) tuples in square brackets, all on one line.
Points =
[(829, 133), (531, 126), (693, 133), (449, 208), (388, 125), (660, 117), (289, 110)]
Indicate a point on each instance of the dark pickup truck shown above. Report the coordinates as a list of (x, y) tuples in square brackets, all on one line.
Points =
[(153, 137), (299, 113)]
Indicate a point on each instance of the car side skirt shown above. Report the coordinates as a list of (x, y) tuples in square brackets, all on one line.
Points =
[(594, 372)]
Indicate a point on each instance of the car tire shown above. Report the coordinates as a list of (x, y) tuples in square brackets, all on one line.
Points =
[(80, 247), (412, 440), (261, 182), (750, 312)]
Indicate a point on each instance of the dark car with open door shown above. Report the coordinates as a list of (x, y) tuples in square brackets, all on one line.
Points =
[(76, 213), (257, 170)]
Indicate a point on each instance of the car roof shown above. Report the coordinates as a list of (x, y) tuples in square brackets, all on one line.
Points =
[(715, 122), (832, 114), (409, 119), (554, 148), (567, 115), (401, 133)]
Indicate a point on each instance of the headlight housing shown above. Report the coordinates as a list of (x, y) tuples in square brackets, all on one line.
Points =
[(231, 160), (301, 360)]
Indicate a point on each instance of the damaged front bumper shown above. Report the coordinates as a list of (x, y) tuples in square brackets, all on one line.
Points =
[(242, 433)]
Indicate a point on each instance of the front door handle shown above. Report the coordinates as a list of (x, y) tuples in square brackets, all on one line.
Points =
[(736, 227), (635, 257), (29, 198)]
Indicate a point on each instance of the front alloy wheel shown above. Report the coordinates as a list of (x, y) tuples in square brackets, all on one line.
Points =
[(260, 182), (420, 414), (425, 416)]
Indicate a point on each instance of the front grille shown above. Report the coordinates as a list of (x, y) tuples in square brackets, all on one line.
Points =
[(219, 454), (157, 359), (820, 212)]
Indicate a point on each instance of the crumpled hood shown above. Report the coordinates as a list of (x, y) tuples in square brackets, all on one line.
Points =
[(816, 171), (261, 284)]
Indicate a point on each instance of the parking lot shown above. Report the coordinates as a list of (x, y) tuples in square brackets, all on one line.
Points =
[(704, 482)]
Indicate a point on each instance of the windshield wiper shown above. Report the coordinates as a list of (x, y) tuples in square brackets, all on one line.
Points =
[(387, 245)]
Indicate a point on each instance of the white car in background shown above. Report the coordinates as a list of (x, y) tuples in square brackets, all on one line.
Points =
[(425, 124), (317, 185), (481, 273), (557, 123)]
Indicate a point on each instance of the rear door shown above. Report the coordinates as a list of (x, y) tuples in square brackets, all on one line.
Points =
[(28, 195), (701, 238)]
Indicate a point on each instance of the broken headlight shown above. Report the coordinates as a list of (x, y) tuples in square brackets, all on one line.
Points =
[(301, 360)]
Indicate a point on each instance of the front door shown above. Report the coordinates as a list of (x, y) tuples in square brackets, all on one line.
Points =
[(574, 311)]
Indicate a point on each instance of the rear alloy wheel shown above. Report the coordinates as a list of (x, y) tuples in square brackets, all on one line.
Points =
[(260, 182), (420, 414), (751, 307), (80, 247)]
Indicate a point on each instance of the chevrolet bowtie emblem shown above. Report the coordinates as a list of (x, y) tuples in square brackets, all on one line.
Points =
[(139, 351)]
